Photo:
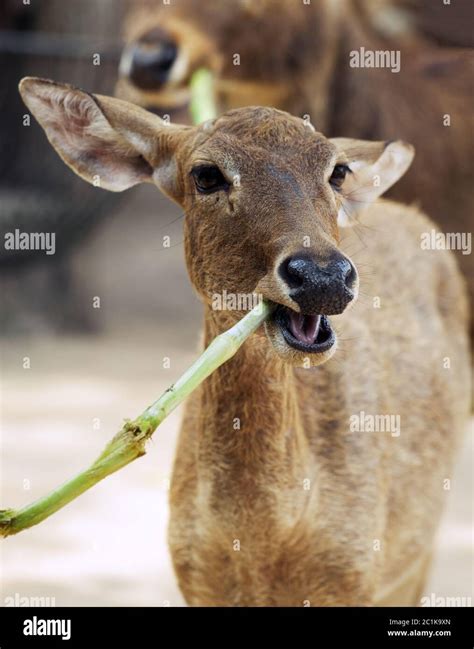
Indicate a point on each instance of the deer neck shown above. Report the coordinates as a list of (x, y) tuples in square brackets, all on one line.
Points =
[(249, 422)]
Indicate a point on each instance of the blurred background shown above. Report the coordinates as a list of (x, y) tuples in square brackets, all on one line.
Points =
[(71, 372), (90, 367)]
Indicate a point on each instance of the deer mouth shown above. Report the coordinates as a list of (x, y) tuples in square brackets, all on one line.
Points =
[(310, 333)]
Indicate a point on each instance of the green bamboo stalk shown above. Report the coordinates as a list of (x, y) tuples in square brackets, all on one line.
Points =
[(129, 443), (202, 105)]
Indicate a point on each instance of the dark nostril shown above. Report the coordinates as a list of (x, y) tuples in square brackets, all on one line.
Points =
[(166, 56), (292, 271), (151, 64), (348, 273)]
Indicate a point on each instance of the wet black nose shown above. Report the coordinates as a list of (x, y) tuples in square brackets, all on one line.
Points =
[(151, 59), (316, 288)]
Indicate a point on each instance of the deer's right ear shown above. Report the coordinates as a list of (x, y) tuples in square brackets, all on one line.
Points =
[(108, 142)]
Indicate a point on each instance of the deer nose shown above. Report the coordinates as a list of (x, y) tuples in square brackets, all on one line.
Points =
[(148, 62), (319, 289)]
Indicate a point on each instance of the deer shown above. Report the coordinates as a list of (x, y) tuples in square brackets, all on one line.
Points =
[(287, 488), (308, 71), (438, 26)]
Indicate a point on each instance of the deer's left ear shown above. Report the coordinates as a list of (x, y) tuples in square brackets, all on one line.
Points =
[(374, 168), (108, 142)]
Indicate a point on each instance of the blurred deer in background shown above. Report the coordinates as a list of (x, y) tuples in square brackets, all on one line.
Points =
[(283, 492), (432, 21), (297, 57)]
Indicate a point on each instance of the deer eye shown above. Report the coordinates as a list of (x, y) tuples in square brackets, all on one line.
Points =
[(338, 175), (208, 179)]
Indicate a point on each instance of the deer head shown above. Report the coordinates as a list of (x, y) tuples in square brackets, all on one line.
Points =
[(264, 197), (166, 43)]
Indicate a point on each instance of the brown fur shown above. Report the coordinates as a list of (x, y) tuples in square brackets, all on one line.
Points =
[(316, 546), (291, 507), (446, 25), (296, 57)]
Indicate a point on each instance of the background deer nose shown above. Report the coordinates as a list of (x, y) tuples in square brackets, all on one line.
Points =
[(151, 59), (319, 289)]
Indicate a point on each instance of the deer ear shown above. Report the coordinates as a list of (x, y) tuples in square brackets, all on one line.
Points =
[(108, 142), (374, 168)]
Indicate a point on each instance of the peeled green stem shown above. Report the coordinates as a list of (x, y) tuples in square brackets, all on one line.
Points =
[(129, 443), (202, 106)]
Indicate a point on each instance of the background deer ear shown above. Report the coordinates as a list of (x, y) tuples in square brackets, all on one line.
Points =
[(108, 142), (375, 167)]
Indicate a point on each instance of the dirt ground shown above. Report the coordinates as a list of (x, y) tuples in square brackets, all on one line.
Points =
[(109, 548)]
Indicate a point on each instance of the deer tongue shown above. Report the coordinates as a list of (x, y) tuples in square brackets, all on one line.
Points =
[(304, 327)]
